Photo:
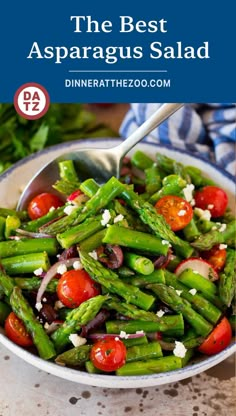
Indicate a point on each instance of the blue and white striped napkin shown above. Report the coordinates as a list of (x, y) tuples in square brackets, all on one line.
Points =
[(205, 129)]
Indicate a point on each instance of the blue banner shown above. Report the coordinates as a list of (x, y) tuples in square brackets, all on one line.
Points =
[(125, 51)]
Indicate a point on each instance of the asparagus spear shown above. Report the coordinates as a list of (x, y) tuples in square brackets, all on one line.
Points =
[(102, 197), (33, 283), (157, 276), (141, 161), (159, 365), (144, 352), (76, 319), (156, 222), (172, 185), (34, 225), (75, 357), (202, 305), (5, 212), (6, 283), (171, 166), (194, 280), (67, 171), (213, 237), (92, 242), (80, 232), (140, 264), (11, 224), (172, 325), (4, 312), (24, 311), (2, 228), (131, 311), (227, 284), (26, 263), (152, 179), (191, 231), (169, 296), (122, 236), (28, 245), (110, 280)]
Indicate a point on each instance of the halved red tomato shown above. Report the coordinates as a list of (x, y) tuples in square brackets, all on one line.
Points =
[(42, 203), (218, 339), (108, 354), (16, 331), (75, 287), (176, 211), (212, 198)]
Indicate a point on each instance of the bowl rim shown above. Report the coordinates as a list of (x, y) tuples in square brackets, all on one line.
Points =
[(117, 140), (112, 381)]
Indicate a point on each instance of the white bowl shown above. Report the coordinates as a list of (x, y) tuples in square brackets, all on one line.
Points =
[(11, 184)]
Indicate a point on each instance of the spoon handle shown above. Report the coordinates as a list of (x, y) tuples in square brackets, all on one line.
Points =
[(150, 124)]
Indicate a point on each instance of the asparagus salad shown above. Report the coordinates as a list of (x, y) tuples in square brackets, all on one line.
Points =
[(133, 277)]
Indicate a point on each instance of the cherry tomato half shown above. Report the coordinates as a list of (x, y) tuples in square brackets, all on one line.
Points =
[(76, 286), (16, 331), (41, 204), (215, 256), (218, 339), (176, 211), (212, 198), (108, 354)]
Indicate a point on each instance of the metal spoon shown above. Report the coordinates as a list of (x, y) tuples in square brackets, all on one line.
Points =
[(100, 164)]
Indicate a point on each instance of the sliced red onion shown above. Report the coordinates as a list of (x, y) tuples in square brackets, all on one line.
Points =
[(50, 275), (97, 336), (30, 234)]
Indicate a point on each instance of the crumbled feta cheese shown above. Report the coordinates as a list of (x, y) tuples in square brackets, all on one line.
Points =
[(38, 306), (76, 340), (93, 254), (58, 305), (165, 243), (38, 271), (210, 206), (123, 335), (193, 291), (118, 218), (69, 209), (222, 246), (222, 228), (179, 350), (52, 209), (77, 265), (16, 238), (188, 192), (203, 214), (106, 216), (44, 300), (61, 269), (46, 325), (117, 339), (179, 292), (182, 212), (160, 313), (140, 332)]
